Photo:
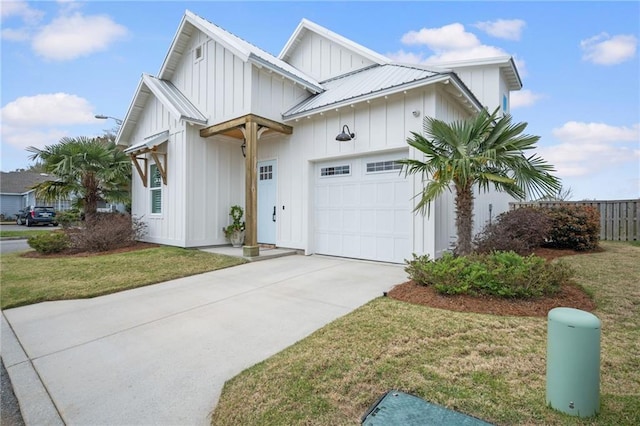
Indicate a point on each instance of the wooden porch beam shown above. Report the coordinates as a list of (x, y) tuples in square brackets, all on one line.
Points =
[(222, 128)]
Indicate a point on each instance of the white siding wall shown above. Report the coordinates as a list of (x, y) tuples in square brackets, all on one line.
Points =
[(381, 126), (485, 82), (272, 95), (214, 182), (323, 59), (165, 228), (219, 84)]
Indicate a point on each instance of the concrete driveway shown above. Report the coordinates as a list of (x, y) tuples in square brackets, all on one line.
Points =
[(161, 354)]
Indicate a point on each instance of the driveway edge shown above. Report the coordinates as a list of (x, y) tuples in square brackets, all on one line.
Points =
[(36, 405)]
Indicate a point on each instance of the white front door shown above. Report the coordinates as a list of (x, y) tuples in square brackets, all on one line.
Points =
[(267, 202)]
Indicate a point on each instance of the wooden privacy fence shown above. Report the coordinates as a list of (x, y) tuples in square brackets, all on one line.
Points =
[(619, 220)]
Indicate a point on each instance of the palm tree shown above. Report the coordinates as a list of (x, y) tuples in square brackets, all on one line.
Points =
[(92, 170), (483, 151)]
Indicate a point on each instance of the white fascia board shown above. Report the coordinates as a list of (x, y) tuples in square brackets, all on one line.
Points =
[(392, 91), (126, 125), (305, 24), (503, 62), (464, 90), (367, 97), (268, 65), (217, 34)]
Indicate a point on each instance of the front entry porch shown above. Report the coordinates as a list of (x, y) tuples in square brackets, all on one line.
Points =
[(249, 127)]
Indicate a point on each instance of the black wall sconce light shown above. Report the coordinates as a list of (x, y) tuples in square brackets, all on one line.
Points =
[(345, 136), (243, 147)]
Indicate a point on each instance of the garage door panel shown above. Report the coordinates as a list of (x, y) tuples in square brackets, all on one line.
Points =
[(385, 222), (362, 214)]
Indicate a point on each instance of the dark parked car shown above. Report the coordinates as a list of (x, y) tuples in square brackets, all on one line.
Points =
[(37, 215)]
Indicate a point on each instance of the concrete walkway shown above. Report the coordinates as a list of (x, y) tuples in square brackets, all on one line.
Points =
[(161, 354)]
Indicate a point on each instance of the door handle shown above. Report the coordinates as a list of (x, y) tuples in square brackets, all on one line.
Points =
[(273, 218)]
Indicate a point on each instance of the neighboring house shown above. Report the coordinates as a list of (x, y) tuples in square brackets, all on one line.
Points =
[(218, 97), (16, 192)]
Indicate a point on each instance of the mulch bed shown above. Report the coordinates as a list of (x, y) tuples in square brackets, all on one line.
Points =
[(570, 296)]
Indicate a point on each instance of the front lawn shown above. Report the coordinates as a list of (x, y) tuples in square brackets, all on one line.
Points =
[(32, 280), (492, 367), (23, 234)]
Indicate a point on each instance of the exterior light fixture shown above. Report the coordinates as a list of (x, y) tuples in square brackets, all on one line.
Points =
[(345, 136), (243, 147), (104, 117)]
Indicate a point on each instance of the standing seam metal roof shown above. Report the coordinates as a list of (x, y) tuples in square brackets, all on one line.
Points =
[(362, 83), (253, 52), (174, 99)]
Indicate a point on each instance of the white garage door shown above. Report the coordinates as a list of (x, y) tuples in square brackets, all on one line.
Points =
[(363, 209)]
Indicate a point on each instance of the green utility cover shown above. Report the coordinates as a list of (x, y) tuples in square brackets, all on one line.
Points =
[(399, 408), (573, 362)]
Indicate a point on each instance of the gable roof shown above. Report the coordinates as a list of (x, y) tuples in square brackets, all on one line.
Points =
[(505, 63), (167, 94), (374, 82), (20, 182), (244, 50), (305, 25)]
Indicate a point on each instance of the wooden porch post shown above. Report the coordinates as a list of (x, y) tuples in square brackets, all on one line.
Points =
[(251, 191)]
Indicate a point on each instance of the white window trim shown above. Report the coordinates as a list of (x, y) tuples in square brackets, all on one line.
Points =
[(376, 172), (197, 58), (153, 189)]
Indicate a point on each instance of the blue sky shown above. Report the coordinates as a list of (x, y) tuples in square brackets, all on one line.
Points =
[(65, 61)]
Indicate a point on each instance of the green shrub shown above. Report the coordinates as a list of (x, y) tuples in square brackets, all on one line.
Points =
[(68, 218), (502, 274), (51, 242), (574, 227), (520, 230)]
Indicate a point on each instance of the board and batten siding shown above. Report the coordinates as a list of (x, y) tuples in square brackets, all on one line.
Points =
[(272, 94), (218, 84), (381, 126), (486, 82), (323, 59), (214, 182), (165, 228)]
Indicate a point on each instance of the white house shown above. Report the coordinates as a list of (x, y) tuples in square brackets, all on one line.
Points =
[(217, 98)]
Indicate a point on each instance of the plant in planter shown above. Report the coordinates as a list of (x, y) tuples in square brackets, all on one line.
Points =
[(235, 231)]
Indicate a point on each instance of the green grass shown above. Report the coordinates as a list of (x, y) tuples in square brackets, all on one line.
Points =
[(492, 367), (31, 280), (21, 234)]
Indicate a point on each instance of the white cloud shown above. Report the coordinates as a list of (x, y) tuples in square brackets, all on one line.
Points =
[(604, 49), (509, 29), (449, 37), (69, 37), (21, 9), (524, 98), (450, 43), (41, 119), (21, 34), (586, 148)]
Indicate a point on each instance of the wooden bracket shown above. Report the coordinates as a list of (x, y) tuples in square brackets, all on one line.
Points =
[(142, 171), (162, 165)]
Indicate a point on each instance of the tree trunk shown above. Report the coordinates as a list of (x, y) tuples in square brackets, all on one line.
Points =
[(91, 196), (464, 218)]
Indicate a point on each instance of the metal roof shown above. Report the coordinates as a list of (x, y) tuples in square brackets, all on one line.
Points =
[(306, 25), (174, 100), (362, 84), (241, 48), (148, 142), (168, 94)]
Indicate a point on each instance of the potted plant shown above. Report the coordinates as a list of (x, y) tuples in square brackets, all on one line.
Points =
[(235, 231)]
